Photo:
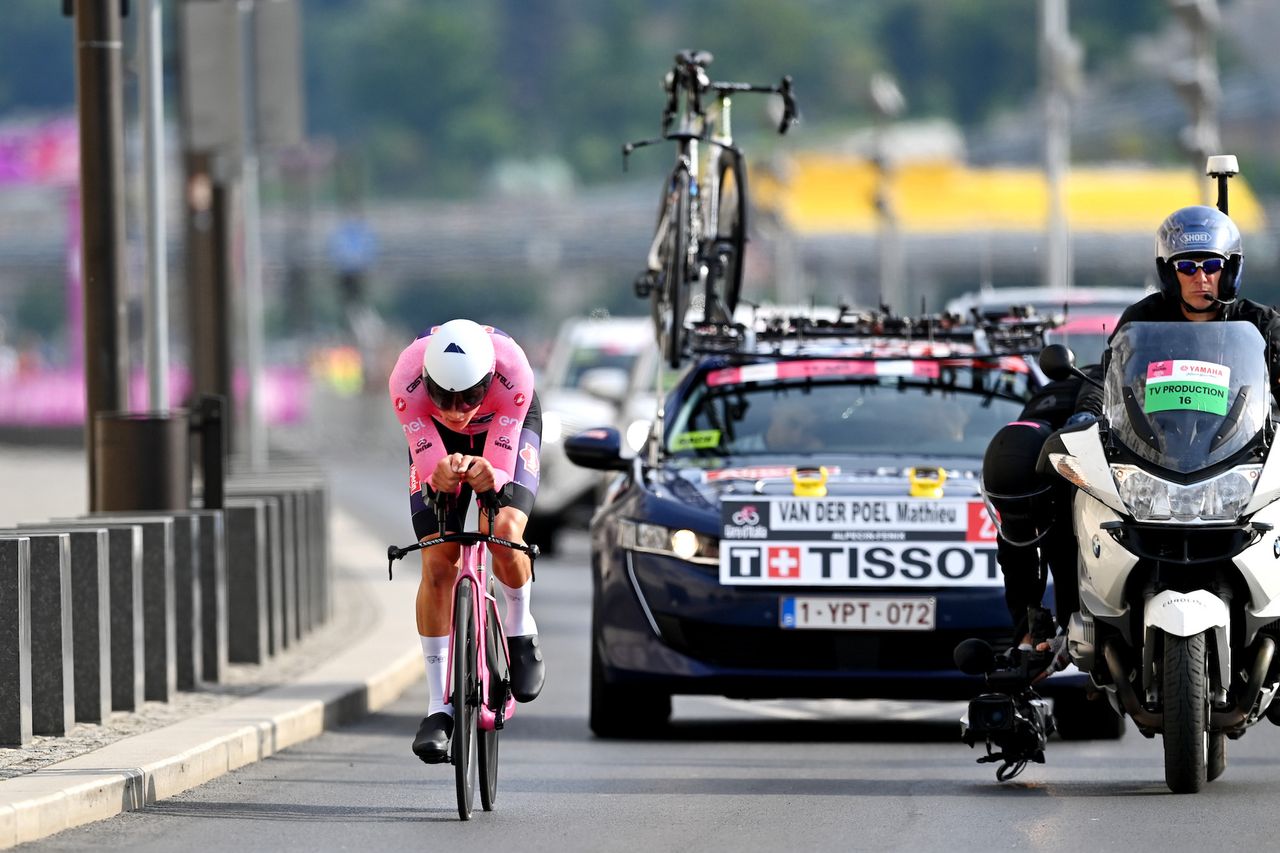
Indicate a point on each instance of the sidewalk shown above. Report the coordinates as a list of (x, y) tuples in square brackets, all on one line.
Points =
[(359, 662)]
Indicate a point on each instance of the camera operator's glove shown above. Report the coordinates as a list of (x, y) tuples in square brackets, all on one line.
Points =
[(1055, 650)]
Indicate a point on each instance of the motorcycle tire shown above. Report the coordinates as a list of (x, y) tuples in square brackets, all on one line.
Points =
[(1185, 697)]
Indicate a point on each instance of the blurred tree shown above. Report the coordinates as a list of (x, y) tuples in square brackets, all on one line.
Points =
[(437, 93)]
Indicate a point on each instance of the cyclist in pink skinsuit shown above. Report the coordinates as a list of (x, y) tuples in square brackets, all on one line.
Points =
[(464, 396)]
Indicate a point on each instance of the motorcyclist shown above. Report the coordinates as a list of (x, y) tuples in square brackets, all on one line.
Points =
[(463, 394), (1200, 261)]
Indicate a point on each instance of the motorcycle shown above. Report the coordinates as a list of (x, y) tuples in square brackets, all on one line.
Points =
[(1176, 512)]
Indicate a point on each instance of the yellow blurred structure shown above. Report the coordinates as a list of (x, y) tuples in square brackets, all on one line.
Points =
[(340, 368), (831, 194)]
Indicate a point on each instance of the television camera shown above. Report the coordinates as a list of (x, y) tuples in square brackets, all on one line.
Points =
[(1012, 719)]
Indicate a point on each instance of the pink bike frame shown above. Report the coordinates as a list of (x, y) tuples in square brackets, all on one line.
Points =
[(473, 567)]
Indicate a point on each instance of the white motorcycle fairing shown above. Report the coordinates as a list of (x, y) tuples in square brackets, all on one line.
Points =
[(1104, 564)]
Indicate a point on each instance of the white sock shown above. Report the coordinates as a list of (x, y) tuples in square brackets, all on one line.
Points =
[(518, 620), (435, 653)]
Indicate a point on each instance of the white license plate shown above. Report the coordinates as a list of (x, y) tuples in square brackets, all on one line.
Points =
[(896, 613)]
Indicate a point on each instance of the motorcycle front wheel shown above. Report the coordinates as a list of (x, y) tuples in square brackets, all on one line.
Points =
[(1186, 713)]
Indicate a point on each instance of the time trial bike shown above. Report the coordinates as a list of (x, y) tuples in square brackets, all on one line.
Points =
[(479, 680), (701, 234)]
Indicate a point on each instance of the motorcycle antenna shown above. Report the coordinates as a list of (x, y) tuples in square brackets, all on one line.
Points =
[(1223, 167)]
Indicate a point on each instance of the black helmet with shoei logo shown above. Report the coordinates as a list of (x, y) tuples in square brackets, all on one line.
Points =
[(1200, 232), (458, 365)]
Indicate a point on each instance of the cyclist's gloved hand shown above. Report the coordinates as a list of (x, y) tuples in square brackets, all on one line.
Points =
[(1080, 418)]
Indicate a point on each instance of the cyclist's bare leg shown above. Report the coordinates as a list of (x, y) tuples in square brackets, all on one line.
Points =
[(511, 567), (515, 574), (433, 609), (435, 589)]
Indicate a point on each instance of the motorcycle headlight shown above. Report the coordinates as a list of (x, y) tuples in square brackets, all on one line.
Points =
[(656, 539), (1220, 498)]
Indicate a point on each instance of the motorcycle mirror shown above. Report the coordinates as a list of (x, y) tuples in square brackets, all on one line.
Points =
[(975, 657), (1057, 361)]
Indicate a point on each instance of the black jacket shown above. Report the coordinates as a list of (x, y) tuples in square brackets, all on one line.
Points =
[(1158, 308)]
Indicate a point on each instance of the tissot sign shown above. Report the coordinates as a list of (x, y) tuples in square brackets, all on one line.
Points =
[(852, 541)]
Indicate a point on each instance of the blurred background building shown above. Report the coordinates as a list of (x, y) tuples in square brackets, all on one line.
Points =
[(464, 160)]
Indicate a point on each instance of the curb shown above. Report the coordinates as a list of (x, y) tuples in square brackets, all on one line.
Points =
[(137, 771)]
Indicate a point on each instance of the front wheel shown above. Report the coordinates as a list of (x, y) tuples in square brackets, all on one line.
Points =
[(1186, 713), (466, 696)]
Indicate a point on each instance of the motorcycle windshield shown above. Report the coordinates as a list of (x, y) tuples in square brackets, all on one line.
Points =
[(1185, 396)]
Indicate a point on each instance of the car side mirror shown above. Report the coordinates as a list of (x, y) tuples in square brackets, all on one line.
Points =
[(599, 448), (1057, 362), (607, 383)]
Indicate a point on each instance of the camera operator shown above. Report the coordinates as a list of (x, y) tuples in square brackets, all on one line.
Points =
[(1035, 535)]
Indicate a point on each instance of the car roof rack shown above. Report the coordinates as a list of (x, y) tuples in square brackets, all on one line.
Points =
[(1017, 330)]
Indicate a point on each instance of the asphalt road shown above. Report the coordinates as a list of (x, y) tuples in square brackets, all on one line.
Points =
[(728, 776)]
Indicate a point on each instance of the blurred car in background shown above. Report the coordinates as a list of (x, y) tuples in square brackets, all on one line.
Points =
[(583, 384), (1087, 315), (806, 521)]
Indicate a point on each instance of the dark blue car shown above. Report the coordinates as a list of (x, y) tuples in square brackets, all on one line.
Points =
[(805, 522)]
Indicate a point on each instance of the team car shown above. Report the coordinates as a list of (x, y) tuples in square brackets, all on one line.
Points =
[(806, 519)]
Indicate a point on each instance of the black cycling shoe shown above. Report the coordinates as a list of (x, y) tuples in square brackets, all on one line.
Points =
[(527, 669), (432, 742)]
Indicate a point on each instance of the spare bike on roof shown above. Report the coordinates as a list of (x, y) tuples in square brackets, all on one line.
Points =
[(702, 219)]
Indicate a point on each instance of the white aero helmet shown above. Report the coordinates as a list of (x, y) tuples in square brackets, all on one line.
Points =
[(458, 365)]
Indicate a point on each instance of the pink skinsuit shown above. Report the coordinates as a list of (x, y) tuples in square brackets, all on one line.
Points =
[(500, 414)]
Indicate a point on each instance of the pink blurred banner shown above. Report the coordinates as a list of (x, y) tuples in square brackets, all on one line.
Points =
[(56, 398), (47, 153)]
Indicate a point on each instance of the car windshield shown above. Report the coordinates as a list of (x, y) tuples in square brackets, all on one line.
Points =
[(1186, 396), (856, 407), (584, 358)]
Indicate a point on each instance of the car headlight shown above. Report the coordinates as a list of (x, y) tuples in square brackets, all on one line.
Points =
[(1220, 498), (552, 427), (656, 539)]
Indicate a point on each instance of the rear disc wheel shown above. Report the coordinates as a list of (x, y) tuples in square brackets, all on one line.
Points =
[(487, 747)]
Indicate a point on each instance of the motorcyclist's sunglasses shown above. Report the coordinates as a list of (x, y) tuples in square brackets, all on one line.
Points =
[(1211, 266), (458, 401)]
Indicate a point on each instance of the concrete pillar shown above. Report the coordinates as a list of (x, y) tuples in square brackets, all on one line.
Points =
[(284, 594), (52, 683), (247, 583), (15, 641), (213, 593)]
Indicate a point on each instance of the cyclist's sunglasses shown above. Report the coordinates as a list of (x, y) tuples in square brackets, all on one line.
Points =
[(458, 401), (1209, 265)]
